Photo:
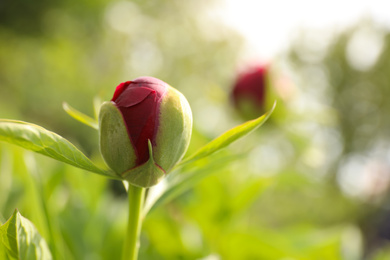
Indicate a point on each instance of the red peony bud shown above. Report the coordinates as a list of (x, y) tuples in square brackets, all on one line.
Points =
[(249, 92), (144, 130), (139, 102)]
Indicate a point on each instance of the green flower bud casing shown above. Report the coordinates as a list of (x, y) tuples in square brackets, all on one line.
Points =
[(144, 130)]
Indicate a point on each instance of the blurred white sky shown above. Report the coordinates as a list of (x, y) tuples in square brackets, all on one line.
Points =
[(269, 25)]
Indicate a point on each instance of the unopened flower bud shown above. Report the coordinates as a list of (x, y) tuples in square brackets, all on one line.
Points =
[(249, 92), (144, 130)]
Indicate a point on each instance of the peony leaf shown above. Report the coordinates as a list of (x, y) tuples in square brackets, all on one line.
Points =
[(19, 239), (228, 137), (83, 118), (40, 140)]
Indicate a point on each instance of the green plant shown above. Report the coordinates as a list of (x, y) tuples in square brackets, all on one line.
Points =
[(183, 175)]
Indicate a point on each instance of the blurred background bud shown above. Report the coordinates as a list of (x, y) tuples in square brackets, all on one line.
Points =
[(249, 92)]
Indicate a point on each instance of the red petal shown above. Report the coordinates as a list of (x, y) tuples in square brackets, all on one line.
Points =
[(119, 89), (141, 120), (132, 96), (139, 103)]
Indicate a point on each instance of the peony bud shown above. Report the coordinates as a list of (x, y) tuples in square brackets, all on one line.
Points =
[(144, 130), (249, 92)]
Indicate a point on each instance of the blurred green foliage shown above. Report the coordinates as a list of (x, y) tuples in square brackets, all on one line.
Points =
[(312, 184), (346, 75)]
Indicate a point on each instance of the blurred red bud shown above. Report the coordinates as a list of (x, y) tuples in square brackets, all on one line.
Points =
[(249, 92)]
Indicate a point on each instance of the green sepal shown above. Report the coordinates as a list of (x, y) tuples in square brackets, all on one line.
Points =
[(115, 144), (147, 174), (174, 131)]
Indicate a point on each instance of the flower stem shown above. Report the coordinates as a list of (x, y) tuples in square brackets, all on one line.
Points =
[(136, 197)]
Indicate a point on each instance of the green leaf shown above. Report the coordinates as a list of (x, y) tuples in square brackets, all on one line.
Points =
[(83, 118), (229, 137), (40, 140), (20, 240)]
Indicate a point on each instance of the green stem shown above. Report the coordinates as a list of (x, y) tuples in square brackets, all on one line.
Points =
[(136, 201)]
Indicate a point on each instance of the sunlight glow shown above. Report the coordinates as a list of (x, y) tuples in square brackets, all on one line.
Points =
[(269, 25)]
